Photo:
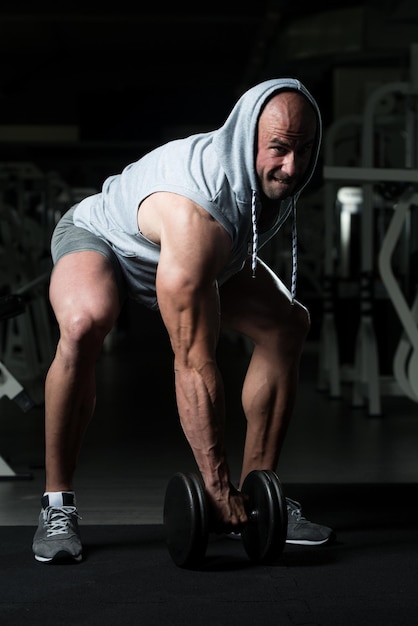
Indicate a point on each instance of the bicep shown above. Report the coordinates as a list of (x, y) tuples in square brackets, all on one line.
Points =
[(194, 250)]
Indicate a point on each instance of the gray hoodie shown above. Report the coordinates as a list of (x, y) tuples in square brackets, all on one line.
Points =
[(216, 170)]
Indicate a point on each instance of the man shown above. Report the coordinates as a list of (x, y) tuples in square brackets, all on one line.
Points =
[(179, 230)]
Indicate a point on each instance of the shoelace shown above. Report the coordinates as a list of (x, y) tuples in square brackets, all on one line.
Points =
[(58, 519), (294, 508)]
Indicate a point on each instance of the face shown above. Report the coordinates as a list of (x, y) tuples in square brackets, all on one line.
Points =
[(286, 138)]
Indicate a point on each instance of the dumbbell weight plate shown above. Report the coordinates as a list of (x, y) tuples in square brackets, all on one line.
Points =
[(186, 519), (264, 536)]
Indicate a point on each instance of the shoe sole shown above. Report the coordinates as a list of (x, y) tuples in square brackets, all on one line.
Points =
[(306, 542), (61, 557), (298, 542)]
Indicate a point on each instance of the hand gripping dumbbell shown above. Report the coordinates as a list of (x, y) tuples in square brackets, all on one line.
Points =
[(187, 518)]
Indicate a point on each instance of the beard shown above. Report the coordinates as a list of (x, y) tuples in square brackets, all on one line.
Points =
[(278, 186)]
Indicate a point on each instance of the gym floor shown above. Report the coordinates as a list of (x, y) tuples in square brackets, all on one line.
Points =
[(134, 443)]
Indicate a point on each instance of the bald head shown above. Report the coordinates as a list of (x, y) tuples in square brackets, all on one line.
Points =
[(287, 129), (291, 110)]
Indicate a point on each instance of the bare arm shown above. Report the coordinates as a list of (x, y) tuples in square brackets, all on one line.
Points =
[(194, 248)]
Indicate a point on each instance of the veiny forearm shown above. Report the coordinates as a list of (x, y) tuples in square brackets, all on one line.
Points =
[(200, 401)]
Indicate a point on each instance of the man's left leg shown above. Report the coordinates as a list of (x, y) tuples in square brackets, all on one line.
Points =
[(261, 309)]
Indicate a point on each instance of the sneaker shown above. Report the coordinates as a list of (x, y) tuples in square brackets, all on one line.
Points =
[(299, 530), (57, 537), (302, 532)]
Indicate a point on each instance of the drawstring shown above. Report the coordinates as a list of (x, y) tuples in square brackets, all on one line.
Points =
[(294, 251), (255, 233), (254, 246)]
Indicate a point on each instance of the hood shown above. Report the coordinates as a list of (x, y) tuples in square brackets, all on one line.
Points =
[(235, 145), (234, 141)]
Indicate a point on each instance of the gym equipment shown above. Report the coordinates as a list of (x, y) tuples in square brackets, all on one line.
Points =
[(12, 305), (187, 518), (406, 356), (384, 184)]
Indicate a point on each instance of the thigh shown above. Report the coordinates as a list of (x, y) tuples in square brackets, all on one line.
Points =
[(86, 279), (83, 286), (253, 306), (68, 238)]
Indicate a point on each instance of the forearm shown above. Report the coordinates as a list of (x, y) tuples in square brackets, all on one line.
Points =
[(200, 401)]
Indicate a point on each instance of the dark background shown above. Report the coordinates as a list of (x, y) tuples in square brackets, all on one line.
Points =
[(126, 77)]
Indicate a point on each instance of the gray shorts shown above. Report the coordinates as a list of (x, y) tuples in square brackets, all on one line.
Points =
[(68, 238)]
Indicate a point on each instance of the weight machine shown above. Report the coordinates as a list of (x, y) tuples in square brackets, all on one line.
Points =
[(367, 382)]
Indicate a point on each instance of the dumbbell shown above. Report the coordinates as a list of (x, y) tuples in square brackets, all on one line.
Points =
[(186, 518)]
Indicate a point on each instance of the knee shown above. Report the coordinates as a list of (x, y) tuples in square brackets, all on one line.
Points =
[(283, 331), (300, 319), (289, 330), (83, 331)]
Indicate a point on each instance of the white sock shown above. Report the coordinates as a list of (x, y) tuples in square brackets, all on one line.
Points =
[(55, 497)]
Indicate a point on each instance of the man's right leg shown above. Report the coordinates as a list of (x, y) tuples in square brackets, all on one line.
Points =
[(85, 299)]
